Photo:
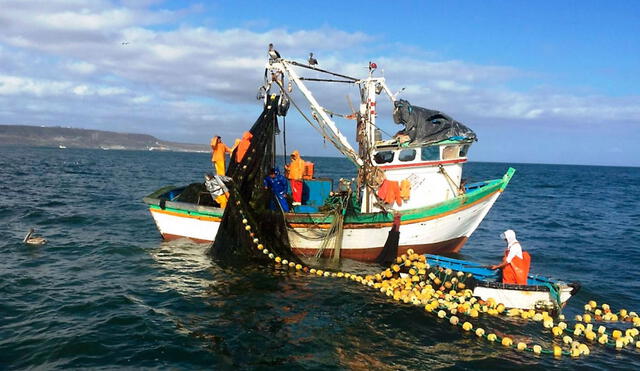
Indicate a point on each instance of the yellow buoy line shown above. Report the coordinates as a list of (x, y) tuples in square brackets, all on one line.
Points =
[(444, 292)]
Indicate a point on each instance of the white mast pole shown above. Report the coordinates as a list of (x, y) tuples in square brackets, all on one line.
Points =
[(368, 113)]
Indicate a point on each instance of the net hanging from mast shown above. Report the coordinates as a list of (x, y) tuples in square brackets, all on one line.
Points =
[(248, 200)]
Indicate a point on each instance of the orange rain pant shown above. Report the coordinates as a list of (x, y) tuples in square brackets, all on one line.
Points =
[(222, 200), (296, 189), (517, 271), (220, 167)]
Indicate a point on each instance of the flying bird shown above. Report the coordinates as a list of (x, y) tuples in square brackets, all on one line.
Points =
[(125, 43), (29, 239), (312, 60), (273, 54)]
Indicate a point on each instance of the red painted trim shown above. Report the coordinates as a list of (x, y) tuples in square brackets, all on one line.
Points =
[(420, 164), (370, 254), (172, 237)]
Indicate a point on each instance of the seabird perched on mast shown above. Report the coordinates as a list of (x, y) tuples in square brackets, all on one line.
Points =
[(273, 54), (312, 61)]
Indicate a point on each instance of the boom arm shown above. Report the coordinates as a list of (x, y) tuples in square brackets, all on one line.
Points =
[(328, 126)]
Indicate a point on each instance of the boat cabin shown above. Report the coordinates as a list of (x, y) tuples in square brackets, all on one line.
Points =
[(433, 170)]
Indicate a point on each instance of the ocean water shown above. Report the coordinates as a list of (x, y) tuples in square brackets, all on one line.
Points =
[(107, 293)]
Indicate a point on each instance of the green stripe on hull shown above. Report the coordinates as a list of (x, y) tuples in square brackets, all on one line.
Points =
[(471, 197), (188, 212), (491, 186)]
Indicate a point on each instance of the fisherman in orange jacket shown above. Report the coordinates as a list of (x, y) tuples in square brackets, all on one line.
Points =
[(515, 263), (295, 173), (218, 150), (242, 146)]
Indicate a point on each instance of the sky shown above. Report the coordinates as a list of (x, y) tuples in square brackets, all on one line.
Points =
[(539, 82)]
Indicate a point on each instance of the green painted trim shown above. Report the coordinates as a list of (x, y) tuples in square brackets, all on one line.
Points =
[(187, 212), (491, 186), (507, 177)]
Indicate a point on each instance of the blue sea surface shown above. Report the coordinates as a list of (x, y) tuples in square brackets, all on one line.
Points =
[(107, 293)]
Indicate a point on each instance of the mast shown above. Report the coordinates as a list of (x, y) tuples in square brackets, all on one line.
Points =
[(321, 121), (328, 127), (369, 88)]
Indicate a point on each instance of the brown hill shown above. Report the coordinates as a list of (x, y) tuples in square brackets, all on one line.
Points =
[(48, 136)]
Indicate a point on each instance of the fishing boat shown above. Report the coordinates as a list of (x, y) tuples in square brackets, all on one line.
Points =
[(540, 293), (438, 211)]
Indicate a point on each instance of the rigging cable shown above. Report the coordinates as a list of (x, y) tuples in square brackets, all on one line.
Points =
[(284, 137), (320, 130), (321, 70)]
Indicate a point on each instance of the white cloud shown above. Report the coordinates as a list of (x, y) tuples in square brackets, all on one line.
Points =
[(108, 55), (81, 90), (141, 99), (81, 67), (107, 91), (86, 20), (14, 85)]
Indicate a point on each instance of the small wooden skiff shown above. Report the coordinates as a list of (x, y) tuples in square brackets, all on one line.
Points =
[(541, 293)]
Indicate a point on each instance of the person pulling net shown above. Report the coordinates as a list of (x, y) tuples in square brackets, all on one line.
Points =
[(248, 218)]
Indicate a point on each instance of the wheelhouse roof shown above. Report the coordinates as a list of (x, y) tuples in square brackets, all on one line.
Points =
[(391, 145)]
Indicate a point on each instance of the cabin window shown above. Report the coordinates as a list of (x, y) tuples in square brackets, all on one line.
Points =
[(431, 153), (463, 150), (407, 155), (383, 157), (450, 152)]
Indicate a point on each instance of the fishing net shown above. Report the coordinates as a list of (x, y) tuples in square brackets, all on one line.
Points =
[(247, 217), (390, 250)]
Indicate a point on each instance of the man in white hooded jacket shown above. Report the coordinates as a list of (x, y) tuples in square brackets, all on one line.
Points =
[(515, 263)]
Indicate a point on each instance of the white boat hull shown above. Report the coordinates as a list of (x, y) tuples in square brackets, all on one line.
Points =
[(174, 225), (443, 233), (522, 298)]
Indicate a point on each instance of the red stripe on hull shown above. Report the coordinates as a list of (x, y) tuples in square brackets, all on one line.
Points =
[(171, 237), (422, 164), (450, 246)]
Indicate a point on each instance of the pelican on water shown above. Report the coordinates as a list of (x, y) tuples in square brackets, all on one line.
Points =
[(33, 240)]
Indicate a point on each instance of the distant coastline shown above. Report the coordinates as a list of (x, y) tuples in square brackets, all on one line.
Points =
[(63, 137)]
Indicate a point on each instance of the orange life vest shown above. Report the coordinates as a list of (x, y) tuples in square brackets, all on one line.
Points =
[(517, 271)]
